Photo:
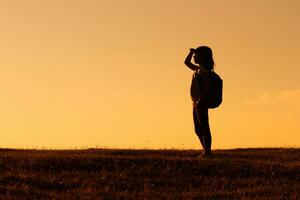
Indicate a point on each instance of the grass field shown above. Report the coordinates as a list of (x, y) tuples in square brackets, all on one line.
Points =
[(149, 174)]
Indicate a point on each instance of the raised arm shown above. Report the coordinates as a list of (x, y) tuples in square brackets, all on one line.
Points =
[(188, 59)]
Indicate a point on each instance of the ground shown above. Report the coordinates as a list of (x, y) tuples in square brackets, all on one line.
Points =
[(150, 174)]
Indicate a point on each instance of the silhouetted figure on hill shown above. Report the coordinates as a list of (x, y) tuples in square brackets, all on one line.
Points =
[(200, 88)]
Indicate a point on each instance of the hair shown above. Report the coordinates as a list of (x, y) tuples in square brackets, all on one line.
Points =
[(205, 57)]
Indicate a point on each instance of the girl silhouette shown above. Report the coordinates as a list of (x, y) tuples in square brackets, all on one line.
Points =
[(200, 87)]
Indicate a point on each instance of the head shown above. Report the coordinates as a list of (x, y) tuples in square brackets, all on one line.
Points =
[(203, 56)]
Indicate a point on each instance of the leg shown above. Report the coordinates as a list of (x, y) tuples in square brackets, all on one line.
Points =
[(204, 128), (197, 126)]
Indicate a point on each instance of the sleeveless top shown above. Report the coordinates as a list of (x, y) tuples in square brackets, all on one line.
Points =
[(197, 85)]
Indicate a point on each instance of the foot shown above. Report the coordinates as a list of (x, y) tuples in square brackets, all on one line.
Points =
[(205, 155)]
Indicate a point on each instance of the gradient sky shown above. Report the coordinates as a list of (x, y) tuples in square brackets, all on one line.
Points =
[(102, 73)]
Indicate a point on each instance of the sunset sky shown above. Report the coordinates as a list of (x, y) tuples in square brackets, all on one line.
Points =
[(103, 73)]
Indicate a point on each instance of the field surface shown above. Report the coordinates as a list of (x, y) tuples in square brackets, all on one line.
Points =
[(149, 174)]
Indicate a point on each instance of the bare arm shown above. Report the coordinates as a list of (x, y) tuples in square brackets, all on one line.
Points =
[(188, 59)]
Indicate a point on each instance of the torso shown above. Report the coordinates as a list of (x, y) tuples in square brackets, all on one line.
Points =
[(196, 86)]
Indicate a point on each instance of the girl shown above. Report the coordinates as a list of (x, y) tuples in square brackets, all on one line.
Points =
[(200, 87)]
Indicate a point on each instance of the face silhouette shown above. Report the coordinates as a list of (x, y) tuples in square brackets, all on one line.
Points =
[(196, 59)]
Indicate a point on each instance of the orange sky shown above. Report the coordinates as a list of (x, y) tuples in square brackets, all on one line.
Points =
[(97, 73)]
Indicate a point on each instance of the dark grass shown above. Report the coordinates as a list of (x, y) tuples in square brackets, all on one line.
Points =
[(149, 174)]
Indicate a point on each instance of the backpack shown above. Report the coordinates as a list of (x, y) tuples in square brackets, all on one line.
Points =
[(215, 93)]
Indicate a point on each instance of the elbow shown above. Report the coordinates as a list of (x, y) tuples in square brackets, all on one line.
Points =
[(186, 63)]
